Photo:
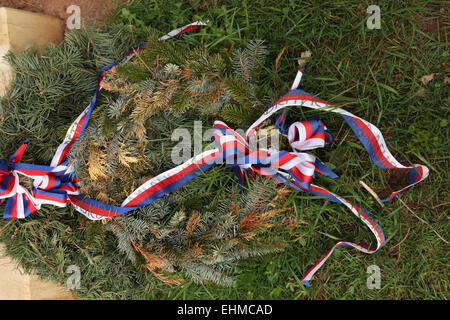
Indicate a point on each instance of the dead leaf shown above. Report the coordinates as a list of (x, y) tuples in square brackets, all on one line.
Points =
[(305, 55), (192, 224), (427, 78), (370, 190), (159, 266), (96, 164)]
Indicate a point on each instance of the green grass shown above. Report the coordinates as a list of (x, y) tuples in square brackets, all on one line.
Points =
[(375, 75)]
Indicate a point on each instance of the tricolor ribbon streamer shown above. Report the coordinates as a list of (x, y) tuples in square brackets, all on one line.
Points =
[(56, 185)]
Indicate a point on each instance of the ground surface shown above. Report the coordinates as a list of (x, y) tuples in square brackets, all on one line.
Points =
[(91, 11)]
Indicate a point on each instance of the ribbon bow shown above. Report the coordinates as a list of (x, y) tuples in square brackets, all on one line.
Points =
[(281, 165), (51, 185)]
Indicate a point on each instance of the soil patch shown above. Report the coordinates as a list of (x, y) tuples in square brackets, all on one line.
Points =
[(92, 12)]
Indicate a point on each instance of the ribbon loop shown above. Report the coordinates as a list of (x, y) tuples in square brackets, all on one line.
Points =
[(308, 135), (51, 185)]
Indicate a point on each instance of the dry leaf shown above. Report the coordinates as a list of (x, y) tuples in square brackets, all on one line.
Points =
[(427, 78), (193, 223), (370, 190), (277, 63), (305, 55), (96, 165), (252, 221), (159, 266), (102, 197)]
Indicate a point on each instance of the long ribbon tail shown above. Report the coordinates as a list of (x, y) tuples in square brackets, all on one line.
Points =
[(151, 190), (363, 215)]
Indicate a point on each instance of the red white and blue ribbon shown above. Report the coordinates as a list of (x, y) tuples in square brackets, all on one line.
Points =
[(178, 32), (55, 184)]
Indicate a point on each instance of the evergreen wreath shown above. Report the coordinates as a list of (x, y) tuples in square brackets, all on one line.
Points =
[(187, 233)]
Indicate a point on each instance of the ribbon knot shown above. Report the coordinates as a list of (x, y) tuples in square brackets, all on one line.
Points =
[(282, 165), (51, 185)]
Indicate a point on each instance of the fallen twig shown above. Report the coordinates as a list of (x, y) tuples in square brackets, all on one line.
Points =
[(369, 189), (415, 215), (440, 205), (406, 236)]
